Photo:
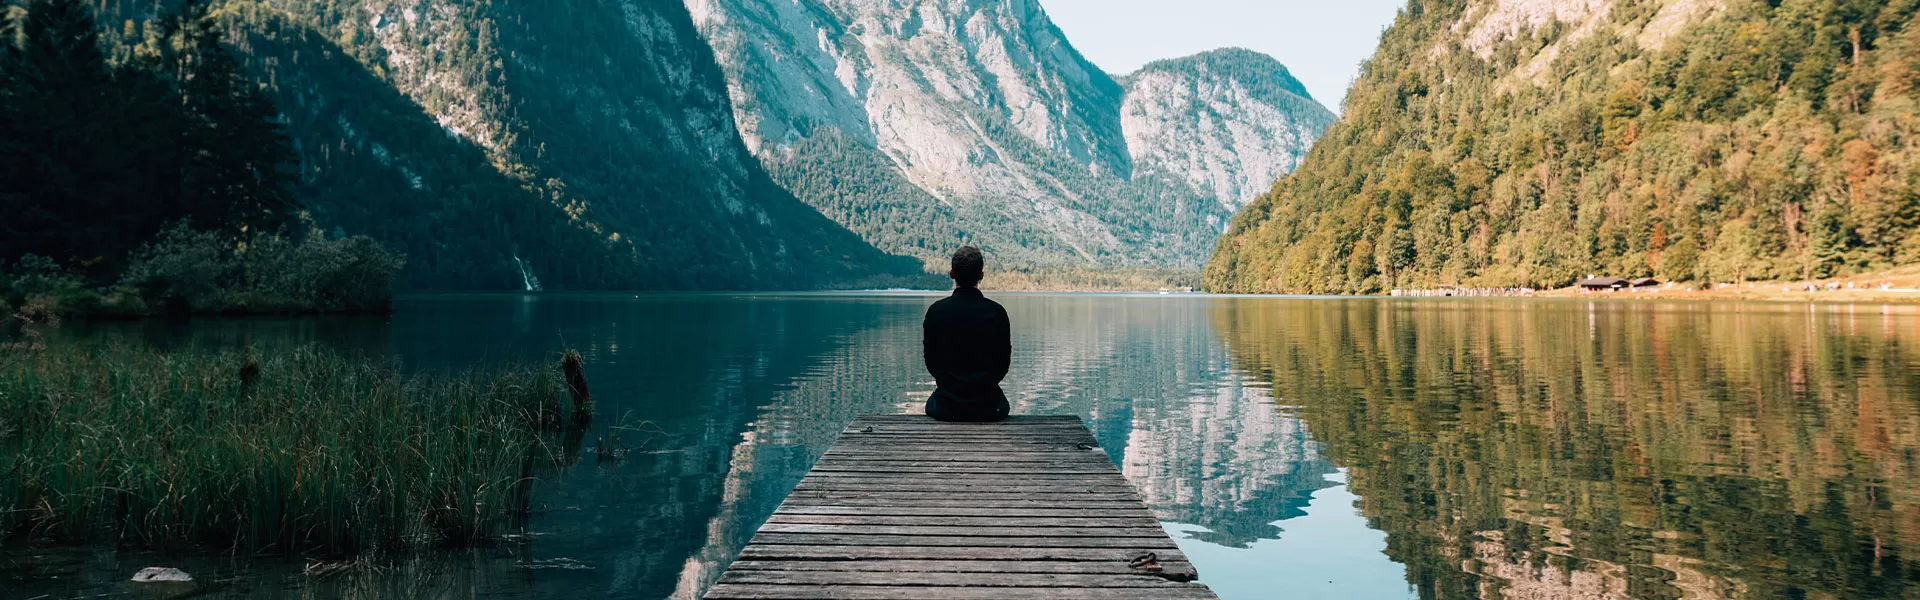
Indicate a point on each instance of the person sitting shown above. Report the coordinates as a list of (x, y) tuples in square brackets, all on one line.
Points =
[(968, 344)]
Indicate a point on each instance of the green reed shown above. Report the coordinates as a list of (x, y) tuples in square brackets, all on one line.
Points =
[(302, 450)]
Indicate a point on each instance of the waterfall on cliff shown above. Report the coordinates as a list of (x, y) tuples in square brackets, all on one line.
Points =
[(526, 275)]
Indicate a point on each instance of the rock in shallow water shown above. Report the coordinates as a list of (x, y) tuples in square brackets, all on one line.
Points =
[(161, 575)]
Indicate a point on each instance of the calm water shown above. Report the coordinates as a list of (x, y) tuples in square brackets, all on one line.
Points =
[(1310, 448)]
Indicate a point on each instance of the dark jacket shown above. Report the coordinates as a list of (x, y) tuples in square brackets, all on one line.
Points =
[(968, 343)]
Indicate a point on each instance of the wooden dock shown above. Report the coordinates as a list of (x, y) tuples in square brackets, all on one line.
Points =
[(905, 507)]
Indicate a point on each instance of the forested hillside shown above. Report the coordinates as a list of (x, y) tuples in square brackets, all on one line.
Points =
[(578, 144), (150, 174), (929, 123), (1531, 142), (102, 145)]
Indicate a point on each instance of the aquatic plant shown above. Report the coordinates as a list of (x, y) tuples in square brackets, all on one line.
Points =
[(575, 370), (302, 450)]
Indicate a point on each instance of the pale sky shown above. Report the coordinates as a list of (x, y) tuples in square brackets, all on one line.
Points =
[(1321, 41)]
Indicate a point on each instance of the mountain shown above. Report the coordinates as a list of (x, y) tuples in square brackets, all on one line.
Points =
[(1531, 142), (1227, 122), (924, 124), (583, 145)]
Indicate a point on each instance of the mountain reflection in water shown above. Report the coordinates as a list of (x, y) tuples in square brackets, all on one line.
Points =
[(1612, 450), (724, 401)]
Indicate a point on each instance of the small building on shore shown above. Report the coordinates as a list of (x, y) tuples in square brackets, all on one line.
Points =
[(1602, 284), (1644, 282)]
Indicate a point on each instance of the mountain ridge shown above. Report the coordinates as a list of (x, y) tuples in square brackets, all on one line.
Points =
[(1229, 122), (975, 120), (483, 142), (1228, 55)]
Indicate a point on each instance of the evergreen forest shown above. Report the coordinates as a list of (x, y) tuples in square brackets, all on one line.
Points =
[(1762, 140), (124, 119)]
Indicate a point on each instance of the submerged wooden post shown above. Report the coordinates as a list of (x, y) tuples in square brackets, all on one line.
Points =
[(907, 507)]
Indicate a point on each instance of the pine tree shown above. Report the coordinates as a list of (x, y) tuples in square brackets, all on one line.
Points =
[(231, 176), (58, 119), (13, 201), (96, 158)]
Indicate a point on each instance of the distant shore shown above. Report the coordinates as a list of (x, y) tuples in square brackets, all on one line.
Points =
[(1756, 292), (1894, 286), (1901, 285)]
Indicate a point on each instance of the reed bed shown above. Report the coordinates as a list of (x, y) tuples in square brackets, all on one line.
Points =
[(302, 450)]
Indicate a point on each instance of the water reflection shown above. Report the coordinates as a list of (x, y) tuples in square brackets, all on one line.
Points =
[(726, 400), (1612, 450)]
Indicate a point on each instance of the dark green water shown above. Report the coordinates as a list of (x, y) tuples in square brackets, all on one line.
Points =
[(1299, 448)]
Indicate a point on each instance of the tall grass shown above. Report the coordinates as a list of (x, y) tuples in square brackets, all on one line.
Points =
[(297, 451)]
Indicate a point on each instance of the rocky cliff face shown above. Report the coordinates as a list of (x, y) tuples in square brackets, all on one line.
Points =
[(1228, 122), (592, 140), (903, 75), (979, 121)]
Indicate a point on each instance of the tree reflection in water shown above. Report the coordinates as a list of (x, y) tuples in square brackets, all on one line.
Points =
[(1560, 449)]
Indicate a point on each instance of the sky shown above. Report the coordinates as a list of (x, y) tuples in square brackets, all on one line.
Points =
[(1321, 41)]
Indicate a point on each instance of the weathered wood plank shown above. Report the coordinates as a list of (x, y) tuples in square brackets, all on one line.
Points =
[(946, 448), (861, 427), (904, 507), (1011, 420), (944, 456), (870, 429), (957, 479), (1174, 565), (821, 539), (1083, 464), (924, 501), (900, 437), (737, 591), (997, 521), (957, 475), (842, 460), (856, 495), (974, 532), (962, 476), (1110, 567), (886, 431), (1091, 460), (954, 553), (1062, 442), (955, 469), (964, 509), (923, 485), (1076, 580)]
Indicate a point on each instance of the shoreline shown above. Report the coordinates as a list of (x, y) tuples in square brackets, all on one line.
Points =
[(1859, 296), (1840, 296)]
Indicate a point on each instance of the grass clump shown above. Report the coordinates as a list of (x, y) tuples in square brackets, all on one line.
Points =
[(304, 450)]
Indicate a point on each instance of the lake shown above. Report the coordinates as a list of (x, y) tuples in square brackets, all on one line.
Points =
[(1311, 447)]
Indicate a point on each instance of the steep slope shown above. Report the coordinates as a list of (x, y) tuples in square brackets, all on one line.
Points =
[(1228, 122), (586, 144), (1531, 142), (918, 124)]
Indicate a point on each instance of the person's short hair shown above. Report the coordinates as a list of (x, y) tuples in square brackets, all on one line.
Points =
[(968, 265)]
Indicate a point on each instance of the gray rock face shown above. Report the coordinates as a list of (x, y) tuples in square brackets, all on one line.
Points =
[(986, 111), (1228, 122), (904, 74)]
